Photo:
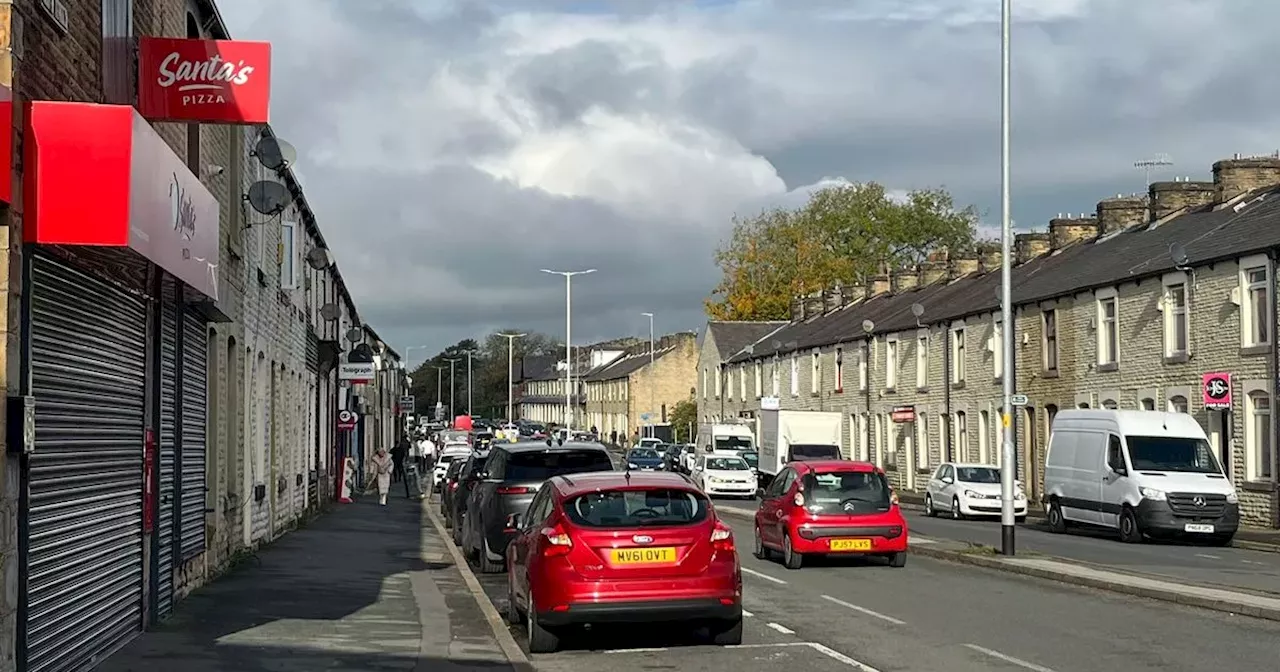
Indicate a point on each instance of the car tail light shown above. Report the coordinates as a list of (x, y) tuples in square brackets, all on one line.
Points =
[(798, 500), (517, 490), (558, 542), (722, 537)]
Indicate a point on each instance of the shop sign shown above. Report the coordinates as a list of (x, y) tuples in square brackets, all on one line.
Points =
[(1216, 388), (6, 144), (347, 420), (209, 81), (902, 414), (356, 372)]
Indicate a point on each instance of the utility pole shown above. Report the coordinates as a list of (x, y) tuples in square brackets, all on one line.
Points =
[(652, 376), (453, 361), (1008, 466), (511, 359), (470, 353), (568, 340)]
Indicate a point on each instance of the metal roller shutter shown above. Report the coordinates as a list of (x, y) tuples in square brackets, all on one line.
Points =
[(166, 512), (84, 519), (191, 446)]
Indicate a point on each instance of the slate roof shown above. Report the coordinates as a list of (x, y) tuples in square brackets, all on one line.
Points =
[(625, 365), (540, 367), (1207, 235), (731, 336)]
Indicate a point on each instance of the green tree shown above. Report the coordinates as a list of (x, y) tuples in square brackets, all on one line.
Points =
[(843, 234), (684, 420), (488, 373)]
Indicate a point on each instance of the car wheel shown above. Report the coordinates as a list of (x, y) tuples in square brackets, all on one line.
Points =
[(928, 506), (1020, 520), (488, 566), (956, 514), (790, 559), (541, 640), (727, 633), (760, 551), (514, 617), (1057, 522), (898, 559), (1130, 531)]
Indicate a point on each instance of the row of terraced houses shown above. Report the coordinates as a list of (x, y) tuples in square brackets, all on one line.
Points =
[(1135, 306)]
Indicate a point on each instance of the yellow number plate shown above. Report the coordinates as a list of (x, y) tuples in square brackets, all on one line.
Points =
[(643, 556), (850, 544)]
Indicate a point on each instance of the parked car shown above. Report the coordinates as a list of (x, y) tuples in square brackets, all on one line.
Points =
[(467, 478), (652, 537), (752, 458), (451, 452), (671, 455), (724, 474), (508, 481), (644, 459), (688, 458), (967, 490), (830, 507), (448, 486)]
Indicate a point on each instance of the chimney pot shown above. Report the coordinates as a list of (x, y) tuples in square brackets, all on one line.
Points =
[(1167, 198), (1238, 175), (1064, 231)]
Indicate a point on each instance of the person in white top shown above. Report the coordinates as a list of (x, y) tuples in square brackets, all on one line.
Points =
[(426, 453)]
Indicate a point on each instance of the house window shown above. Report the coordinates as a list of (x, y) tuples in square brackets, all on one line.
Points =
[(773, 382), (922, 361), (1176, 327), (962, 436), (997, 350), (922, 442), (815, 372), (839, 369), (759, 379), (1050, 324), (1110, 404), (957, 356), (892, 435), (705, 389), (1178, 404), (1254, 308), (891, 363), (742, 382), (1147, 404), (795, 376), (863, 373), (1108, 329), (1258, 443), (288, 253), (984, 437), (719, 375)]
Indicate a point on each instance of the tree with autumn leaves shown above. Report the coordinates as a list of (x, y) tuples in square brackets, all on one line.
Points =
[(842, 235)]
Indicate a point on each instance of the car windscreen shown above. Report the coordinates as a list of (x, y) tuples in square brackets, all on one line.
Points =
[(752, 459), (539, 465), (977, 475), (643, 454), (732, 442), (727, 464), (849, 492), (801, 452), (637, 508), (1172, 453)]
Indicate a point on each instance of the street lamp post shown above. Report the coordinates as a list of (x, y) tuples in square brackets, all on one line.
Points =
[(1008, 468), (511, 358), (470, 398), (453, 361), (652, 378), (568, 340)]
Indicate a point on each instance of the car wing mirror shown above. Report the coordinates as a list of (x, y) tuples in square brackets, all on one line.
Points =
[(948, 480)]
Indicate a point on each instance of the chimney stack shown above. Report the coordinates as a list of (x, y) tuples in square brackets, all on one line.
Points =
[(851, 294), (879, 284), (1120, 213), (1179, 196), (832, 298), (797, 309), (990, 258), (932, 271), (1064, 231), (1028, 246), (813, 304), (963, 264), (905, 279), (1239, 175)]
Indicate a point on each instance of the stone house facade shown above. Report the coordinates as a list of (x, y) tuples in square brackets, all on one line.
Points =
[(621, 392), (719, 342), (1132, 306)]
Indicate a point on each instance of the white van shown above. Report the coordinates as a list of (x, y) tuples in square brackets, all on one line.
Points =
[(1141, 473)]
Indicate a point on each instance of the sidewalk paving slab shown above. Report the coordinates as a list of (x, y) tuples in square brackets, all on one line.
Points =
[(363, 587)]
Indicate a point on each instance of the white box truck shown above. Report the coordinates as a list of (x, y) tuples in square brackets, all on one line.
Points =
[(790, 436)]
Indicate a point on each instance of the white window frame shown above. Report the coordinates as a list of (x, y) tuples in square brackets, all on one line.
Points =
[(959, 345), (1172, 406), (1249, 320), (706, 391), (742, 382), (774, 377), (962, 436), (1146, 404), (288, 255), (997, 348), (815, 371), (795, 375), (984, 436), (922, 360), (759, 379), (839, 359), (864, 370), (1255, 467), (1173, 283), (922, 442), (1049, 340), (720, 373), (891, 363), (1107, 328)]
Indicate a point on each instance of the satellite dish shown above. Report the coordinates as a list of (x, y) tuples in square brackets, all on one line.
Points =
[(319, 258), (1179, 254), (917, 309), (868, 326), (268, 197), (329, 312), (274, 153), (354, 334)]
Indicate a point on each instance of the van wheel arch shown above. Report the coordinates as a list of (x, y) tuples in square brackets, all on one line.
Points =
[(1056, 519)]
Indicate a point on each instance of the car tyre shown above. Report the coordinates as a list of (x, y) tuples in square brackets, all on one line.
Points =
[(1057, 522), (541, 640), (898, 559), (457, 533), (1020, 519), (728, 633), (488, 566), (956, 514), (928, 506), (760, 551), (790, 559), (1130, 530), (514, 617)]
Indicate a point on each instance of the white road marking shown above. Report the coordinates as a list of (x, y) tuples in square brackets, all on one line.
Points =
[(863, 610), (836, 655), (764, 576), (1007, 658), (921, 540), (640, 650), (781, 628), (747, 613), (1251, 562), (1206, 555)]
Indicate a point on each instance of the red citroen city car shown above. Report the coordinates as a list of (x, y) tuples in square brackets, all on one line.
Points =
[(622, 547), (830, 507)]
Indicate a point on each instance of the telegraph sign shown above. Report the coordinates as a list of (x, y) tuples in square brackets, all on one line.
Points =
[(347, 420), (406, 404)]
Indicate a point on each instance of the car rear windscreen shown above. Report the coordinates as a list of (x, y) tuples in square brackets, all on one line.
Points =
[(637, 508), (801, 452), (732, 442), (851, 492), (539, 465), (477, 465)]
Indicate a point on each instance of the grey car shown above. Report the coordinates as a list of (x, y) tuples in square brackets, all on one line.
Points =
[(510, 478)]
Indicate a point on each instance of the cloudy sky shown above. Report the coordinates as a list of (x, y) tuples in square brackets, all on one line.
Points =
[(451, 149)]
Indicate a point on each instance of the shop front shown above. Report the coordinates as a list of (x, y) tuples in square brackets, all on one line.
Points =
[(120, 265)]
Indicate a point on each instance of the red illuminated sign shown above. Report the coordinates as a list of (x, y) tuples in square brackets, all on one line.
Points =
[(211, 81)]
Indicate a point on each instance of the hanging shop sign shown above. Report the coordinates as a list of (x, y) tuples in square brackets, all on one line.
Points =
[(357, 372), (209, 81), (903, 414), (347, 420)]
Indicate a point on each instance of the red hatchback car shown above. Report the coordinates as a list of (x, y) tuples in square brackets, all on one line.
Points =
[(622, 547), (830, 507)]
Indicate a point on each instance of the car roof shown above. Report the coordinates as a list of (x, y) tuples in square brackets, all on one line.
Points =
[(810, 466), (971, 465), (572, 485), (529, 446)]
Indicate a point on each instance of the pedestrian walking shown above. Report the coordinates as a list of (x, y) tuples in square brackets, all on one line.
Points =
[(398, 455), (383, 465), (613, 437)]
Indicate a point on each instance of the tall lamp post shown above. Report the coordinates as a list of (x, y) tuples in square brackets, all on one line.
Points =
[(453, 361), (568, 340), (652, 380), (439, 384), (470, 380), (511, 360), (1008, 468)]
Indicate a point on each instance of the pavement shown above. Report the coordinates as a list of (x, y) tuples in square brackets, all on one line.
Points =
[(361, 588)]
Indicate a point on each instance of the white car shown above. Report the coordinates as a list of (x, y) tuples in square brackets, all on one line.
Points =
[(450, 452), (967, 490), (724, 475)]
